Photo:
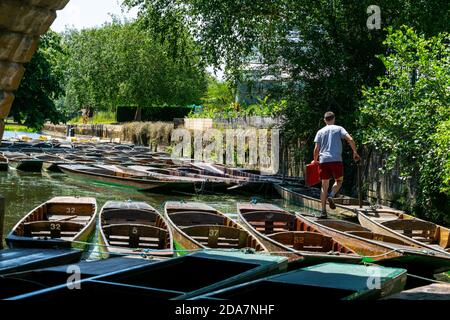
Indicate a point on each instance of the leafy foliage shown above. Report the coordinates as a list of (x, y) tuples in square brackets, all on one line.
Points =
[(323, 46), (407, 115), (218, 95), (122, 64), (41, 85)]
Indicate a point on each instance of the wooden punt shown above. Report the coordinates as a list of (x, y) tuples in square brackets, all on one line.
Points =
[(414, 231), (20, 260), (288, 235), (310, 198), (178, 278), (114, 176), (243, 182), (22, 162), (58, 223), (50, 273), (4, 163), (52, 162), (198, 226), (381, 249), (131, 228), (208, 183), (324, 282), (434, 292)]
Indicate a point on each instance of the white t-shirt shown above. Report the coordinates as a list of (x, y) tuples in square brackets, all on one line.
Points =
[(329, 139)]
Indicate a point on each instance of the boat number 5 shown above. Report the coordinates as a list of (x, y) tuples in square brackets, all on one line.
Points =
[(71, 210), (213, 232), (55, 226)]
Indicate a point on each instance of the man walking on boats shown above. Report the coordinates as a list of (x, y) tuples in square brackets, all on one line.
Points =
[(328, 153)]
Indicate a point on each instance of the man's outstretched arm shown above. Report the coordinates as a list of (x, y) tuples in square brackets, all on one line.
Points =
[(352, 144), (316, 153)]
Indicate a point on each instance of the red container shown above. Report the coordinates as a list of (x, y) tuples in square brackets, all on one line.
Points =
[(312, 174)]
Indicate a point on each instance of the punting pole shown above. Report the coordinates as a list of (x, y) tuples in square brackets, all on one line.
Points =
[(359, 185), (2, 219)]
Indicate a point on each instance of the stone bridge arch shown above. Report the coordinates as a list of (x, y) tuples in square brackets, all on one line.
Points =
[(22, 22)]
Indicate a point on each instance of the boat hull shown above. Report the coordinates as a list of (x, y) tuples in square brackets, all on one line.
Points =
[(12, 260), (214, 232), (388, 254), (27, 165), (311, 203), (80, 240), (140, 216), (136, 184), (376, 227)]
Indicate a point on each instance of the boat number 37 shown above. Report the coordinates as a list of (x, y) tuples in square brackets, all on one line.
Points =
[(214, 233)]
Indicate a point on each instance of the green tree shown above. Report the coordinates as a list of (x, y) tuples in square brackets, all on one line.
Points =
[(41, 85), (324, 46), (122, 64), (406, 116)]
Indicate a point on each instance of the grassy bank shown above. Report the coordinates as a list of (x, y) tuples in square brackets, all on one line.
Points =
[(102, 117), (18, 127)]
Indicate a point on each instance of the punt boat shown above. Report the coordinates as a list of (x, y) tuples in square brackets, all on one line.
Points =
[(286, 234), (197, 226), (381, 249), (62, 222), (134, 228)]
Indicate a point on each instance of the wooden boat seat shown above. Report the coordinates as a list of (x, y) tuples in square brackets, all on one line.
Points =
[(129, 215), (72, 218), (268, 222), (136, 236), (342, 225), (52, 229), (214, 236), (377, 237), (304, 240), (69, 209), (268, 216), (417, 229), (189, 218)]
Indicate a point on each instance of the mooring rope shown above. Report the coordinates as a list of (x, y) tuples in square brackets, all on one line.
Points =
[(247, 249)]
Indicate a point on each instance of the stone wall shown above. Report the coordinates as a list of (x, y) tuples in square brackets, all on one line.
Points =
[(387, 188), (21, 24), (154, 134)]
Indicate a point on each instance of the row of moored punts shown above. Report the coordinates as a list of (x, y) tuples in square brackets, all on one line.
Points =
[(133, 167), (303, 252)]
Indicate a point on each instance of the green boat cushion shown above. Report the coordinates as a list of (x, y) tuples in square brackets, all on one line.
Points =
[(340, 276)]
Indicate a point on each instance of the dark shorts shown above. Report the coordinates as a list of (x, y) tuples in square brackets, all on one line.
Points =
[(330, 170)]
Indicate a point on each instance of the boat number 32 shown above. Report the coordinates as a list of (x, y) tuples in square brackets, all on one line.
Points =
[(71, 210), (55, 226)]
